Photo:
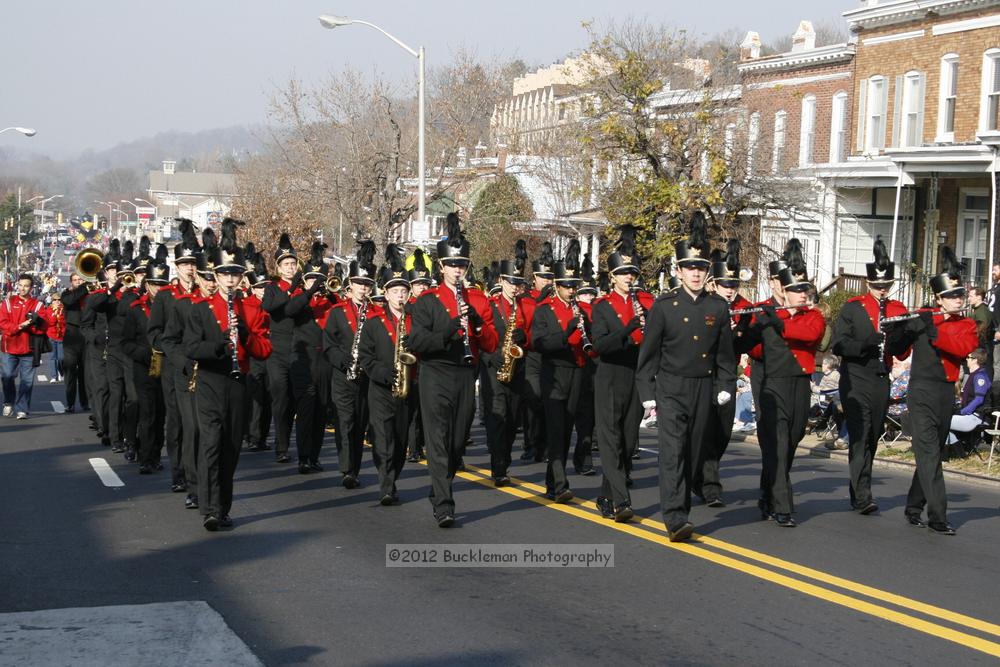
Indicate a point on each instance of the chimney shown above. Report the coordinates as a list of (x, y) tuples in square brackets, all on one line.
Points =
[(168, 166), (804, 38), (750, 46)]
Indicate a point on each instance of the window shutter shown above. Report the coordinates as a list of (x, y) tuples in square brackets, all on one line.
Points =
[(885, 107), (862, 121), (921, 86), (897, 107)]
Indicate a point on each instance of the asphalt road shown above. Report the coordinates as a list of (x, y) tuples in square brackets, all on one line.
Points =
[(302, 578)]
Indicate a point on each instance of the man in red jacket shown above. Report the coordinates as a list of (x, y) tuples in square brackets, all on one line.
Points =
[(20, 317)]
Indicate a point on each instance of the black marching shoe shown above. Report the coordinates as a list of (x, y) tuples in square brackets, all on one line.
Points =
[(766, 513), (501, 480), (563, 496), (681, 533), (130, 453), (445, 520), (635, 456), (414, 457), (145, 469), (586, 471), (605, 507), (784, 520), (315, 466), (177, 487), (281, 458), (623, 513), (304, 468), (941, 528), (225, 521), (628, 480), (350, 482), (915, 521), (386, 500), (191, 502), (715, 502), (118, 448), (211, 523), (528, 455), (867, 508)]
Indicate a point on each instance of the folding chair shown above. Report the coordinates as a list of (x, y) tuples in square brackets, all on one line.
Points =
[(994, 434)]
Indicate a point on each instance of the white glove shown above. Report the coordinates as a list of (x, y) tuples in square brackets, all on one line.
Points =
[(723, 397), (647, 409)]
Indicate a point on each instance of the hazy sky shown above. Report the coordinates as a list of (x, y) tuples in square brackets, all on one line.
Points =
[(93, 73)]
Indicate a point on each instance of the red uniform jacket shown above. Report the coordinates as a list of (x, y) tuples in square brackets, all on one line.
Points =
[(257, 343)]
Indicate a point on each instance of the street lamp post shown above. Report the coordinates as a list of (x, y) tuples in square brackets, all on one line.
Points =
[(110, 208), (330, 21)]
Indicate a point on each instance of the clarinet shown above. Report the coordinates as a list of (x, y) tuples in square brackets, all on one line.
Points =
[(584, 338), (882, 303), (637, 308), (466, 345), (355, 369), (234, 338)]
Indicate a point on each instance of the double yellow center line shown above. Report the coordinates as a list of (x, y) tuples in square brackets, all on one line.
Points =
[(751, 562)]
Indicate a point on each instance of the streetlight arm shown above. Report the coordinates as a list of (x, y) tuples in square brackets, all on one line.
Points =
[(26, 131), (412, 52)]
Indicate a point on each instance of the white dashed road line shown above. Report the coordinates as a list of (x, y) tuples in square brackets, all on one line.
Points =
[(58, 407), (108, 476), (42, 378)]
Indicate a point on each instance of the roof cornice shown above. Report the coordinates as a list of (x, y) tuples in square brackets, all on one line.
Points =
[(902, 11), (823, 55)]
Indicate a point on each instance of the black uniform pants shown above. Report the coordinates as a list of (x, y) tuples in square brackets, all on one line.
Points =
[(930, 405), (618, 412), (322, 373), (118, 402), (189, 427), (307, 415), (501, 421), (531, 401), (260, 403), (100, 391), (130, 416), (280, 383), (74, 366), (784, 411), (415, 437), (561, 387), (583, 455), (683, 416), (705, 474), (173, 424), (865, 401), (151, 414), (390, 420), (352, 413), (447, 402), (221, 405)]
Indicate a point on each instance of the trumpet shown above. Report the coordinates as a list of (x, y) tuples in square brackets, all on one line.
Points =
[(128, 280), (333, 284), (88, 263)]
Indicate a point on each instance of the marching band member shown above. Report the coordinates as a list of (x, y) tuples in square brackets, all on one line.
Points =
[(147, 366), (504, 409), (866, 359), (788, 343), (223, 332), (276, 297), (534, 422), (618, 330), (583, 451), (559, 332), (341, 340), (450, 326), (74, 343), (420, 279), (725, 280), (941, 340), (685, 365), (165, 329), (383, 355), (258, 390), (94, 326)]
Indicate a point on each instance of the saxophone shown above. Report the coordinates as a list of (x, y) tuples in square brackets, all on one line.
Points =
[(401, 361), (354, 371), (511, 352), (193, 382), (155, 363)]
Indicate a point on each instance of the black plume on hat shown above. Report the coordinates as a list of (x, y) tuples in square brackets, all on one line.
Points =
[(208, 241), (882, 270), (604, 282), (587, 268), (520, 255), (793, 256), (189, 236), (285, 248), (572, 256), (950, 263), (317, 253), (454, 230), (880, 253), (144, 247), (394, 257), (949, 281), (626, 240), (366, 254), (546, 256), (229, 226), (717, 256), (699, 234), (733, 255), (250, 251), (127, 252), (161, 254)]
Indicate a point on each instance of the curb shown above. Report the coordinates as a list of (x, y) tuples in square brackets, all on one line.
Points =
[(821, 452)]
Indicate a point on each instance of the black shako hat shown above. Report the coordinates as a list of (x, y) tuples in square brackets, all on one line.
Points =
[(567, 270), (949, 281), (542, 267), (726, 270), (157, 269), (209, 256), (363, 268), (513, 270), (420, 267), (285, 248), (589, 285), (794, 277), (881, 271), (625, 258), (455, 246), (316, 267), (230, 258), (113, 257), (188, 247), (693, 250)]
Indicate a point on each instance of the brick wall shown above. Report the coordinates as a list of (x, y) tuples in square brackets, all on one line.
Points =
[(924, 54)]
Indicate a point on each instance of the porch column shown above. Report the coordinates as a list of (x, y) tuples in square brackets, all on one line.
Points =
[(895, 214), (993, 217)]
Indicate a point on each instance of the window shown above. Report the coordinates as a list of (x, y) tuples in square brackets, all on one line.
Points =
[(973, 232), (779, 141), (990, 109), (948, 98), (877, 100), (910, 120), (753, 136), (807, 134), (838, 128)]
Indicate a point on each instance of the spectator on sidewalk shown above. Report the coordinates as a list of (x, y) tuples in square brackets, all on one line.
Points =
[(974, 395), (56, 330), (21, 316)]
